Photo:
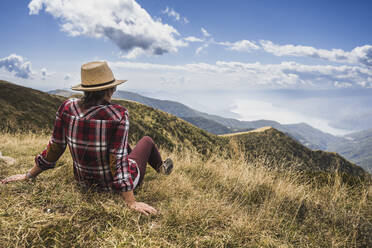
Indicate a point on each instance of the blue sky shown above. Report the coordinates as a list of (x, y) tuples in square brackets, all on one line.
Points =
[(290, 61)]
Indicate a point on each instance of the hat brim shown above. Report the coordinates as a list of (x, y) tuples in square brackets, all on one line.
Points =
[(80, 87)]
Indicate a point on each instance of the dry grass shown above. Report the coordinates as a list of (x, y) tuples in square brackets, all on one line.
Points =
[(257, 130), (215, 203)]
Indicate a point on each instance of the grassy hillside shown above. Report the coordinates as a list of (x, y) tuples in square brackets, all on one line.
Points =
[(26, 109), (224, 192), (215, 203), (173, 134), (277, 148)]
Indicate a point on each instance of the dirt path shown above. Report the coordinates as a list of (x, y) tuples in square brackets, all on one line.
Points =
[(258, 130)]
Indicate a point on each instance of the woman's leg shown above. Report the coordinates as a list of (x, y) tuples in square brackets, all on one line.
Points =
[(146, 152)]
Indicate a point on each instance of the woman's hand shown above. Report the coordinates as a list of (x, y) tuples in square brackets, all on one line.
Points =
[(137, 206), (142, 208), (14, 178)]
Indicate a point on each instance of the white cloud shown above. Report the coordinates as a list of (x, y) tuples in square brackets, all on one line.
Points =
[(201, 48), (366, 83), (143, 66), (247, 75), (134, 53), (342, 84), (172, 13), (125, 23), (361, 55), (241, 46), (205, 32), (293, 50), (193, 39), (208, 39), (173, 81), (44, 73), (326, 74), (17, 64)]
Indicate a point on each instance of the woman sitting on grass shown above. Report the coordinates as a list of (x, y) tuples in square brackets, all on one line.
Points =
[(96, 132)]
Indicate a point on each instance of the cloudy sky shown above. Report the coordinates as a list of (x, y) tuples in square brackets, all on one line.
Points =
[(289, 61)]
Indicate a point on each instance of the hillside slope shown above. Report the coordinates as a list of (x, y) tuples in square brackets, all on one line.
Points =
[(204, 203), (26, 109), (174, 134), (279, 150), (223, 191)]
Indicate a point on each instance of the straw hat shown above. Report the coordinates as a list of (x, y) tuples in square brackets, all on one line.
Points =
[(96, 76)]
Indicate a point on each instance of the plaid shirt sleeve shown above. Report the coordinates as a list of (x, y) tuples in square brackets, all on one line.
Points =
[(122, 179), (56, 146)]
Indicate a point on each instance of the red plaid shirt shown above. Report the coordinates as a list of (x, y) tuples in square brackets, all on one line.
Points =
[(98, 142)]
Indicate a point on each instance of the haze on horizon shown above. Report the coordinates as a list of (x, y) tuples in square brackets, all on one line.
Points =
[(288, 61)]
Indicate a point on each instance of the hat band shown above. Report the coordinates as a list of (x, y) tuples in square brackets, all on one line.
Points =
[(97, 85)]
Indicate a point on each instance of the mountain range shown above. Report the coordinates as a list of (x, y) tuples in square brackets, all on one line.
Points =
[(355, 147), (34, 111)]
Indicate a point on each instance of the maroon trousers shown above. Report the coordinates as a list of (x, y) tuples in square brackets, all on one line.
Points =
[(145, 152)]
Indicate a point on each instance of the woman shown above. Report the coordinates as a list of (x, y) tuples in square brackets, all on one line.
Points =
[(96, 132)]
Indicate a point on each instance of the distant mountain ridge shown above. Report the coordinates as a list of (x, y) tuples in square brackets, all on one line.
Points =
[(178, 109), (64, 93), (357, 147), (174, 134), (304, 133), (357, 151)]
